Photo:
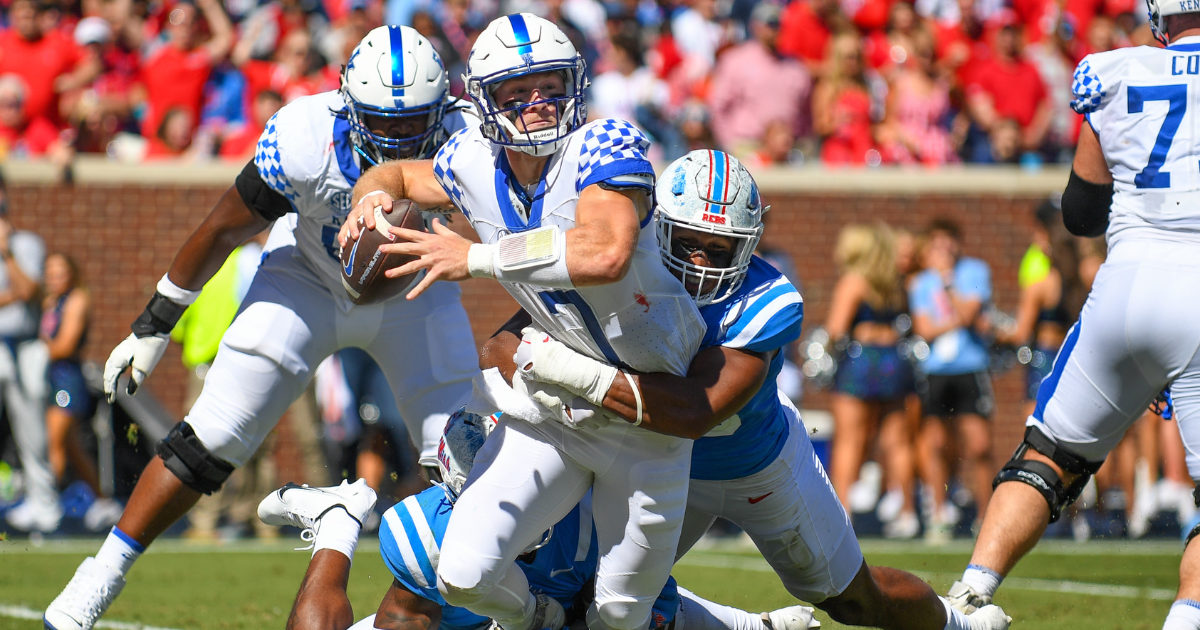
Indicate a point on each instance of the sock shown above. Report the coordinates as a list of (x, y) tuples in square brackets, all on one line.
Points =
[(1184, 615), (338, 531), (984, 580), (119, 551), (696, 613), (955, 619)]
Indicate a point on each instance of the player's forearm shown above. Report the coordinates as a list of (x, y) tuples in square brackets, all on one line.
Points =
[(596, 256), (23, 287), (229, 224)]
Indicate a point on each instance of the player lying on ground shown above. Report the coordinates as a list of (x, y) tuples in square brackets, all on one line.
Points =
[(563, 209), (753, 463), (562, 565), (1129, 343), (296, 312)]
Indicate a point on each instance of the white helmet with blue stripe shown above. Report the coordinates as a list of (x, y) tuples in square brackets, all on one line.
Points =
[(708, 191), (517, 45), (1160, 9), (396, 93)]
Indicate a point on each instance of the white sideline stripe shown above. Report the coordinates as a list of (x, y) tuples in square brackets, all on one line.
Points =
[(1021, 584), (21, 612)]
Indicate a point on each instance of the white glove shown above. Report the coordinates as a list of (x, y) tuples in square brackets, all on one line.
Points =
[(543, 359), (565, 407), (138, 354)]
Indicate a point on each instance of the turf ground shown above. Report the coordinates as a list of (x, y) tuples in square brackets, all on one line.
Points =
[(1093, 586)]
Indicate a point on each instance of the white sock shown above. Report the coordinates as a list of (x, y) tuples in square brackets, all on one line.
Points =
[(955, 619), (697, 613), (119, 551), (1184, 615), (338, 531), (984, 580)]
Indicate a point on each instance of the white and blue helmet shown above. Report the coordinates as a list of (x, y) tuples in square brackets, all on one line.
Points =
[(708, 191), (462, 438), (517, 45), (1160, 9), (395, 73)]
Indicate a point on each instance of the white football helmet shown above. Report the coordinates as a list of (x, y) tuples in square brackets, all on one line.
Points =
[(395, 73), (708, 191), (1159, 10), (463, 436), (517, 45)]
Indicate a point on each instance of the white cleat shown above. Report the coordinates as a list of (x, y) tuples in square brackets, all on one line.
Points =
[(964, 598), (31, 516), (86, 597), (303, 507), (989, 617), (790, 618)]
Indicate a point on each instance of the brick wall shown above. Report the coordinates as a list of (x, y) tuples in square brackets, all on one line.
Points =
[(125, 236)]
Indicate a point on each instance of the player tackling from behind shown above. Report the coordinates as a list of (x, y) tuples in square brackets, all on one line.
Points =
[(563, 208), (753, 462), (1137, 155), (562, 565), (393, 103)]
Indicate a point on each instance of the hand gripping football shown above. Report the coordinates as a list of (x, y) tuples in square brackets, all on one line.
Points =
[(363, 264)]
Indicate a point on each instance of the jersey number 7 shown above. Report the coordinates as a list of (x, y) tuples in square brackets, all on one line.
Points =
[(1176, 97)]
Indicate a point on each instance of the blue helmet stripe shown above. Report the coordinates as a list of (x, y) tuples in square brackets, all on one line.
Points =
[(396, 34), (718, 186), (521, 32)]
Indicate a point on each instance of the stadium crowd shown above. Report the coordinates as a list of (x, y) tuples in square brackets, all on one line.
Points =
[(843, 82)]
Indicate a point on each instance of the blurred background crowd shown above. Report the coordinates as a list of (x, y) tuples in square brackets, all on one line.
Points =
[(843, 82)]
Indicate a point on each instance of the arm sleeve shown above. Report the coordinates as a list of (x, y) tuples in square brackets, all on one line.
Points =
[(269, 161), (394, 542), (768, 323), (444, 173), (1089, 91), (614, 152), (1086, 206)]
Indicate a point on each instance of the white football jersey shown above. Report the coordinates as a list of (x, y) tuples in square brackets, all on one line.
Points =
[(646, 321), (1140, 101), (305, 153)]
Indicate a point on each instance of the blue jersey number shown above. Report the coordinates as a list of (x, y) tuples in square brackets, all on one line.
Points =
[(1176, 96)]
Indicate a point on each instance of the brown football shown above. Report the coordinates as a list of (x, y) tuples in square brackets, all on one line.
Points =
[(363, 264)]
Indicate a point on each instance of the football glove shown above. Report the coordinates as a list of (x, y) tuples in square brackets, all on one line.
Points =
[(543, 359), (140, 355)]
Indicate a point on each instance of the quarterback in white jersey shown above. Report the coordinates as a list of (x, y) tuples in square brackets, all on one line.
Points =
[(1134, 179), (752, 463), (392, 104), (563, 208)]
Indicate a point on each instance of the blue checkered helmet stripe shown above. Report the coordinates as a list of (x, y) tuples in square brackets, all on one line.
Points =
[(396, 36), (521, 32)]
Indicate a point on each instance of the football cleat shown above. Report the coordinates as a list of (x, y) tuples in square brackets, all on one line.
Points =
[(303, 506), (989, 617), (790, 618), (963, 597), (86, 597)]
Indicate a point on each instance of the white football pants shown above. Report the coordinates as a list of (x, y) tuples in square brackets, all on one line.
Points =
[(289, 323), (529, 476)]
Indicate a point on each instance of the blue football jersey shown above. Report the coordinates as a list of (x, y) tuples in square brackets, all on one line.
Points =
[(764, 315)]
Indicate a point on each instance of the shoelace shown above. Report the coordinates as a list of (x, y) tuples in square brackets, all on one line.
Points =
[(308, 535), (88, 607)]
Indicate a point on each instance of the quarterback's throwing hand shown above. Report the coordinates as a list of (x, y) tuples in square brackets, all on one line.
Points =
[(366, 210), (140, 355), (443, 252)]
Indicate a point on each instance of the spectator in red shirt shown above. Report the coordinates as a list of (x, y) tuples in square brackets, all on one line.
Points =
[(1007, 86), (806, 27), (173, 137), (295, 72), (739, 112), (48, 61), (843, 106), (239, 146), (21, 136), (961, 46), (174, 75)]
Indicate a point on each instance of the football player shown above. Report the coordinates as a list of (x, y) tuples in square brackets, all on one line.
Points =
[(1134, 180), (560, 565), (563, 209), (393, 103), (752, 463)]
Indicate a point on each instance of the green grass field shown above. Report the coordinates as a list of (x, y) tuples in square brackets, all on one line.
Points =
[(1093, 586)]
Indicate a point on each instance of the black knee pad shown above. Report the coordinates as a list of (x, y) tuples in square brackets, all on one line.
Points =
[(183, 454), (1043, 478)]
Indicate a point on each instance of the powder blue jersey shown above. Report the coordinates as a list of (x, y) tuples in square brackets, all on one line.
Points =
[(764, 315), (410, 539)]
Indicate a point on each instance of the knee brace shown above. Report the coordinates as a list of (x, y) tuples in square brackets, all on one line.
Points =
[(1042, 477), (1195, 530), (183, 454)]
